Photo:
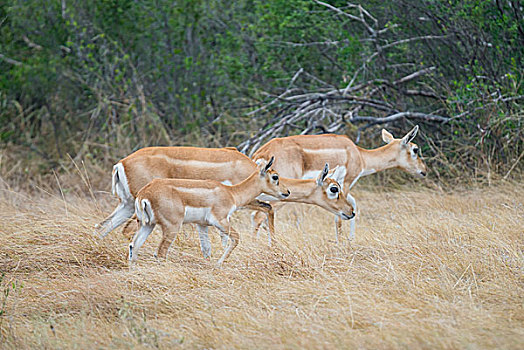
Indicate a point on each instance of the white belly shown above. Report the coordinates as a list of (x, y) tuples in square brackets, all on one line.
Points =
[(203, 216), (197, 215)]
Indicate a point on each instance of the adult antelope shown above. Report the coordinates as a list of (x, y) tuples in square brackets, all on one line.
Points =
[(225, 165), (130, 174), (173, 202), (302, 156)]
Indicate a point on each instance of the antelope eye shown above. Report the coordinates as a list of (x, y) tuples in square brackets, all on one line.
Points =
[(334, 189), (275, 177), (415, 150)]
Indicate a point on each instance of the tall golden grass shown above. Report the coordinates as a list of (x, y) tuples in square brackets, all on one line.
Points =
[(427, 269)]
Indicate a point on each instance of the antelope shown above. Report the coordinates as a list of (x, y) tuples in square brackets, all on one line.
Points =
[(324, 191), (225, 165), (302, 156), (130, 174), (173, 202)]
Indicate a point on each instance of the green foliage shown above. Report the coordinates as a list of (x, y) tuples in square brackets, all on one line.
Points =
[(115, 72)]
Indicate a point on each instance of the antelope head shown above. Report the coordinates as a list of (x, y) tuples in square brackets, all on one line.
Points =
[(271, 181), (329, 195), (409, 157)]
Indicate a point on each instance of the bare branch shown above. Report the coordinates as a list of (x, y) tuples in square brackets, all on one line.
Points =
[(339, 11), (415, 75), (396, 116), (425, 37), (431, 94), (499, 99), (314, 43), (10, 60), (31, 44), (353, 17), (64, 9), (295, 77)]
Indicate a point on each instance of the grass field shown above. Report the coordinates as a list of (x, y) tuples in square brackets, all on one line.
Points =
[(427, 270)]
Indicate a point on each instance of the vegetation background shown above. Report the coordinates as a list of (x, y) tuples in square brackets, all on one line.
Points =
[(95, 80), (437, 263)]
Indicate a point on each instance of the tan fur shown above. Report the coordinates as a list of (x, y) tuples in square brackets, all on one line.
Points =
[(144, 165), (311, 191), (293, 160), (218, 164), (151, 163), (308, 192), (172, 199), (297, 155)]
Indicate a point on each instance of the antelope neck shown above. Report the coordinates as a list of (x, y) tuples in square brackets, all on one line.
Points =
[(299, 188), (378, 159), (247, 190)]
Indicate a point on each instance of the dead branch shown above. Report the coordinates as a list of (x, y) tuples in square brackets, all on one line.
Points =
[(281, 95), (365, 101), (10, 60), (391, 118), (335, 108), (31, 44)]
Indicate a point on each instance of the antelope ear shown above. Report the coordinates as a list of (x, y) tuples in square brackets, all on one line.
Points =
[(263, 166), (322, 176), (338, 174), (410, 136), (386, 136), (270, 163)]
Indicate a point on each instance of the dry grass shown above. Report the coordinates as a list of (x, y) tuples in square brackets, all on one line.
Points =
[(427, 270)]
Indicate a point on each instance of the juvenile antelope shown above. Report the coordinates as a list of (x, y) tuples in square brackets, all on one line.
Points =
[(302, 157), (324, 192), (173, 202)]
